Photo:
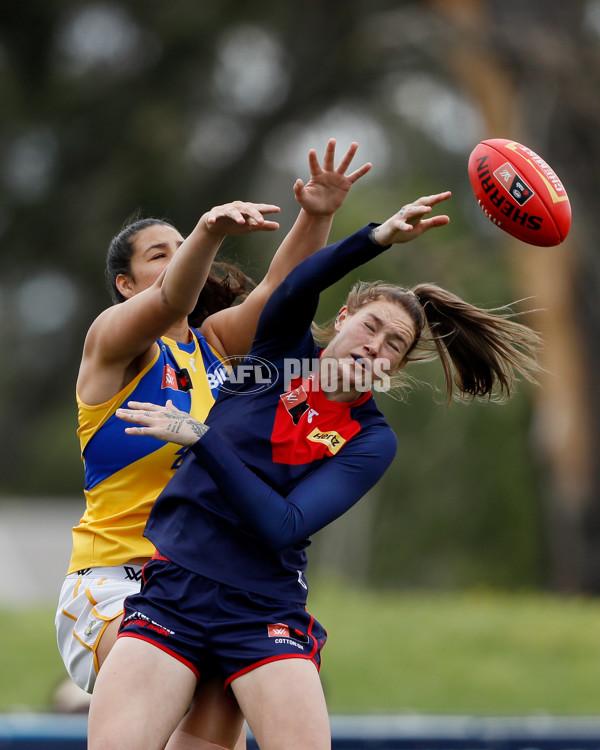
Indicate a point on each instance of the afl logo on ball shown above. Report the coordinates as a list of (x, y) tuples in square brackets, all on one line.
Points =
[(514, 185)]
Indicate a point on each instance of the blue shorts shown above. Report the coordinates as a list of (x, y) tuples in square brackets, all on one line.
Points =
[(214, 628)]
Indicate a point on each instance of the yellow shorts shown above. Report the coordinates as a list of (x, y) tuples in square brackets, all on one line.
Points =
[(89, 600)]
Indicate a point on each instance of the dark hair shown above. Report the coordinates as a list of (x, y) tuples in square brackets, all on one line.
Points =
[(481, 351), (225, 284)]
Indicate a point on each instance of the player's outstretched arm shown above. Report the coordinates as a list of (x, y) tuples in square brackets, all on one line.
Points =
[(125, 331), (231, 331), (411, 221)]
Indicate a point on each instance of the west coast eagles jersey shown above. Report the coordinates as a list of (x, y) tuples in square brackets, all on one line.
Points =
[(124, 473)]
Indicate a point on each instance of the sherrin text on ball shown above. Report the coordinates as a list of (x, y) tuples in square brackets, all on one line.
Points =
[(519, 192)]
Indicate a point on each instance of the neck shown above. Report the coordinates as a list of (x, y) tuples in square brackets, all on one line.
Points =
[(342, 397), (179, 332), (339, 394)]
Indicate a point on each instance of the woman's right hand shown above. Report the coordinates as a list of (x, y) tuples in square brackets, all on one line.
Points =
[(410, 221), (238, 218), (163, 422)]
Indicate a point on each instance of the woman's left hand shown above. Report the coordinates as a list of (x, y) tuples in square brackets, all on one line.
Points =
[(163, 422), (328, 187)]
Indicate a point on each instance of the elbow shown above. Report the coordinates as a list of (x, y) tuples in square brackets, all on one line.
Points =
[(277, 541), (174, 307)]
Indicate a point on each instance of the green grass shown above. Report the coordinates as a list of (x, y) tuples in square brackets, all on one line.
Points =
[(30, 666), (472, 653), (476, 653)]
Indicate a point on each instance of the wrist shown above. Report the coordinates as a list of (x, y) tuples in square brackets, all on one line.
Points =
[(208, 228), (319, 218), (199, 429), (377, 236)]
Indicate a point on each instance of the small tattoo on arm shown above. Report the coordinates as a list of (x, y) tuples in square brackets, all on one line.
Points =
[(178, 420), (174, 426), (373, 235), (198, 427)]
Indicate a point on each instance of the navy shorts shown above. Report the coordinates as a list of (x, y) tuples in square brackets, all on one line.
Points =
[(214, 628)]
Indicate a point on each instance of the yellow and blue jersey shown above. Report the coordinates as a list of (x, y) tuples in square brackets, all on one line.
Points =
[(124, 474)]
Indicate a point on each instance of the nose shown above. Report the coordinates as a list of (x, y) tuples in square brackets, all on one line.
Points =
[(373, 346)]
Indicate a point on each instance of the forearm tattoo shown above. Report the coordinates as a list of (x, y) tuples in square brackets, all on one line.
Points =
[(178, 420), (372, 235)]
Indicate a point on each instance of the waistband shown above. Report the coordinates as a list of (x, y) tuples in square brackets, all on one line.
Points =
[(114, 571)]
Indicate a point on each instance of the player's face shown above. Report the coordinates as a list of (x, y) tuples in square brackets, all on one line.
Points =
[(373, 341), (154, 248)]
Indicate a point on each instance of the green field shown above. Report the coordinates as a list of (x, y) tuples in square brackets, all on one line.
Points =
[(476, 653)]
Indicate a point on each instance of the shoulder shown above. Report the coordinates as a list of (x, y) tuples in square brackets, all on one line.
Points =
[(376, 440), (290, 348)]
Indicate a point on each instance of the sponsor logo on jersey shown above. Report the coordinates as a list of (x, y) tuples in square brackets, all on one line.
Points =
[(296, 403), (298, 635), (301, 580), (88, 630), (141, 620), (333, 440), (311, 414), (278, 630), (177, 380), (132, 574), (513, 183), (284, 634)]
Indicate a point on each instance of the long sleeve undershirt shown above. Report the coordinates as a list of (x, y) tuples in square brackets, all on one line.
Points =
[(322, 496), (338, 483)]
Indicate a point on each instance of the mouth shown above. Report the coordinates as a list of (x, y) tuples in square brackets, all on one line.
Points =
[(359, 361)]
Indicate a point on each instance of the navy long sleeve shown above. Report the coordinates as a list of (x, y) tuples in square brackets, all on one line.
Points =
[(280, 460), (321, 497), (290, 310)]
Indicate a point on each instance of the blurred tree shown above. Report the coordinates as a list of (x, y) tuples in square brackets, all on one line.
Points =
[(530, 67)]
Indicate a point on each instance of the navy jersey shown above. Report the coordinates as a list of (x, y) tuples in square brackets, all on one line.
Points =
[(280, 460)]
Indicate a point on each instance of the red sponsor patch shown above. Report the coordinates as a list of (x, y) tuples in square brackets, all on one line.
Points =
[(177, 380), (278, 630), (169, 379), (291, 399)]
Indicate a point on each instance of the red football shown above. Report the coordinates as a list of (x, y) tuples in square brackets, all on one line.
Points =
[(519, 192)]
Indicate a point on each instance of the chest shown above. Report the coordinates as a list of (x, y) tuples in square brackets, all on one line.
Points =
[(308, 427)]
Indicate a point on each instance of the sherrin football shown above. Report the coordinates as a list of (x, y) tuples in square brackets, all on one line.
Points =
[(519, 192)]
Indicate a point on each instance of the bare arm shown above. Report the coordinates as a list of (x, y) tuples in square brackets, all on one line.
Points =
[(231, 331), (123, 336)]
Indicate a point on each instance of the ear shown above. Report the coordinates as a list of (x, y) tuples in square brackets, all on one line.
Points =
[(341, 317), (124, 284)]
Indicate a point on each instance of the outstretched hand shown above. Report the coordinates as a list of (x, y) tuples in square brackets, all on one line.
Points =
[(239, 217), (163, 422), (411, 221), (328, 187)]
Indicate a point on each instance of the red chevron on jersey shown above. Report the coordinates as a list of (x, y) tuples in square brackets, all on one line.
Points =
[(318, 428)]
